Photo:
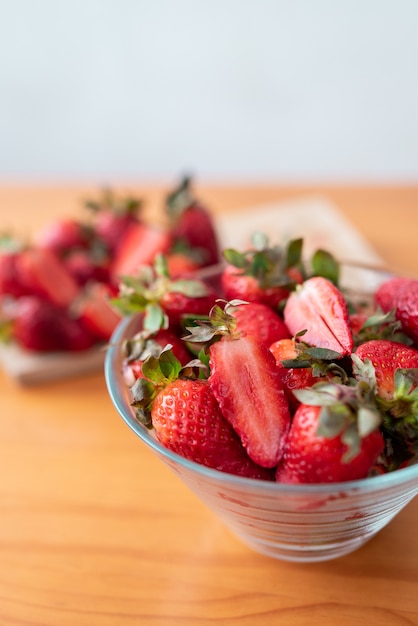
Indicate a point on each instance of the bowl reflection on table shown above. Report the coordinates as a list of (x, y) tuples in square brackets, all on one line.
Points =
[(303, 523)]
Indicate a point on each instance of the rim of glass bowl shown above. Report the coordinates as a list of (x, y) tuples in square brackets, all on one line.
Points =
[(119, 394)]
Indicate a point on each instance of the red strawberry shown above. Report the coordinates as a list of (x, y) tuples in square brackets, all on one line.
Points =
[(85, 269), (386, 357), (377, 325), (62, 236), (112, 217), (312, 457), (96, 313), (298, 377), (386, 295), (401, 294), (139, 246), (181, 264), (144, 344), (260, 321), (319, 307), (187, 419), (191, 224), (41, 326), (43, 273), (264, 274), (10, 281)]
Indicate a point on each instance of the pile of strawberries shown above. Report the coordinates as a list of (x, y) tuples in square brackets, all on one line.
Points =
[(275, 372), (56, 290)]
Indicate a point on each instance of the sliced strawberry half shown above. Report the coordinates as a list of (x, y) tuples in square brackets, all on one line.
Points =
[(96, 313), (320, 308), (44, 274), (245, 381), (139, 246)]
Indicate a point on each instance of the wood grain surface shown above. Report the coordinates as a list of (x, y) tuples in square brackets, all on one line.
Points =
[(94, 530)]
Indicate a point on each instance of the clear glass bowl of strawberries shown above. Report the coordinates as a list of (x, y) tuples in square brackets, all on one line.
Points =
[(282, 391)]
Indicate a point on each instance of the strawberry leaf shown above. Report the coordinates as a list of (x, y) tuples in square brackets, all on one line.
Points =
[(154, 318), (294, 253), (368, 420), (324, 264)]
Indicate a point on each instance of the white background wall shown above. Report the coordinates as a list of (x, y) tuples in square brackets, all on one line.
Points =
[(278, 90)]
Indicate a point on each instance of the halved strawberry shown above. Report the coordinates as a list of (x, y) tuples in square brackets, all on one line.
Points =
[(96, 312), (186, 417), (245, 381), (10, 281), (138, 246), (43, 273), (320, 308)]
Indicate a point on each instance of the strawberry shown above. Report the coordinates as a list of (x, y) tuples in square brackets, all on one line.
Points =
[(138, 246), (96, 312), (181, 264), (10, 281), (392, 368), (164, 301), (263, 274), (321, 450), (401, 294), (378, 325), (319, 307), (186, 418), (191, 224), (386, 295), (85, 268), (41, 326), (386, 357), (43, 273), (261, 321), (301, 366), (246, 384), (62, 236), (112, 217), (144, 344)]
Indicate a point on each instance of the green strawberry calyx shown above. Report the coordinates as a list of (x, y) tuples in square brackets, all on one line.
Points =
[(268, 264), (347, 410), (380, 325), (399, 413), (281, 266), (143, 293), (120, 206), (220, 322), (179, 199), (322, 361), (159, 371)]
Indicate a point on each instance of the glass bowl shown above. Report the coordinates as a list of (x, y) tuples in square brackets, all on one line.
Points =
[(304, 523)]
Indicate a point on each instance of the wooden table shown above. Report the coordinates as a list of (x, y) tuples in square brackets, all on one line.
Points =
[(95, 531)]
